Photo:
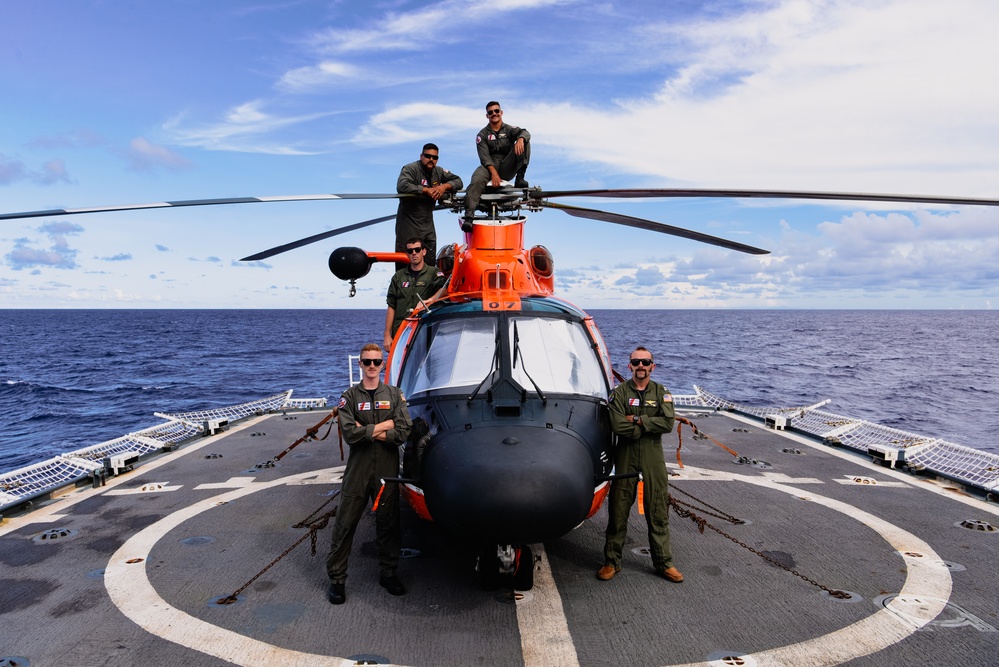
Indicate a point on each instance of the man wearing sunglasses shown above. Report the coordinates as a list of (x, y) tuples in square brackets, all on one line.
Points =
[(375, 421), (641, 411), (408, 286), (415, 216), (504, 151)]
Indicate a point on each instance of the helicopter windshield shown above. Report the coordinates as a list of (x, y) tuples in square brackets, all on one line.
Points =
[(557, 354), (450, 353)]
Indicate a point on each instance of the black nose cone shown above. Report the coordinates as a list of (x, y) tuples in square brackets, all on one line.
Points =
[(508, 485)]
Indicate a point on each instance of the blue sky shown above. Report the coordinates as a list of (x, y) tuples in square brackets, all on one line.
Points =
[(131, 102)]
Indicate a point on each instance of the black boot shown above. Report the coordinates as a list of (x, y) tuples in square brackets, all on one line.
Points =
[(392, 584), (336, 593)]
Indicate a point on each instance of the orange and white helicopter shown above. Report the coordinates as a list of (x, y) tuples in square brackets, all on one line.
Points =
[(506, 383)]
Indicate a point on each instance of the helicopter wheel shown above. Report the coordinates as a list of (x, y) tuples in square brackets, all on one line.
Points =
[(490, 578), (523, 576)]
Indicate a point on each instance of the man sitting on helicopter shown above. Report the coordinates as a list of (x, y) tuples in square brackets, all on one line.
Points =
[(417, 281), (504, 151)]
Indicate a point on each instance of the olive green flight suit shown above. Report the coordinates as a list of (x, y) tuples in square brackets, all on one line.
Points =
[(640, 449), (405, 290), (369, 461)]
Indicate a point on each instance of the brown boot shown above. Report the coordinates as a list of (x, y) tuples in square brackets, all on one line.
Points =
[(607, 572), (672, 574)]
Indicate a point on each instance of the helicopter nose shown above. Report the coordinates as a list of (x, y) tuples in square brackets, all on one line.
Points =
[(508, 485)]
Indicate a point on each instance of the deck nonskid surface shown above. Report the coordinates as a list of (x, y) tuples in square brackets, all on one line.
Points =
[(208, 521)]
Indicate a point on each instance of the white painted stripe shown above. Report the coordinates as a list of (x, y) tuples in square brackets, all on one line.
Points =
[(883, 628), (150, 487), (545, 636), (231, 483), (133, 593), (544, 629), (859, 460)]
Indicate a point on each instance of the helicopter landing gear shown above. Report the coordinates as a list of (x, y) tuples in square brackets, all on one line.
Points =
[(523, 574), (506, 565)]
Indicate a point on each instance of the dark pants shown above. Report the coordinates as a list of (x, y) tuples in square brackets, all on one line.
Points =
[(511, 166), (361, 482), (646, 456)]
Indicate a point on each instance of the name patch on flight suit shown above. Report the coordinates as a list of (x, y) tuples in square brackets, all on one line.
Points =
[(365, 405), (634, 402), (382, 405)]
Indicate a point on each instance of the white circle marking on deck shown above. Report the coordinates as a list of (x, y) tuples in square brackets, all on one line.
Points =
[(132, 592)]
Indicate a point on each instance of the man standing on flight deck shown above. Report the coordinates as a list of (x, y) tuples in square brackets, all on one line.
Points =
[(641, 411), (375, 421)]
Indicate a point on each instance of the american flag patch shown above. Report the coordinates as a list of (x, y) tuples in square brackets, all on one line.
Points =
[(382, 405), (634, 402), (668, 398), (365, 405)]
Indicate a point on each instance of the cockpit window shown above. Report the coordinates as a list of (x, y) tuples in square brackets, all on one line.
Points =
[(452, 353), (557, 354)]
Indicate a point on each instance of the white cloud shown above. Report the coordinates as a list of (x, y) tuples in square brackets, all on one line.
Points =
[(246, 128), (416, 29), (320, 76), (397, 126), (144, 156)]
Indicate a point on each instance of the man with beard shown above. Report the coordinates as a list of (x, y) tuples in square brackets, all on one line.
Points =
[(641, 411), (415, 217)]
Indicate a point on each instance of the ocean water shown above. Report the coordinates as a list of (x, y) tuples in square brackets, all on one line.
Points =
[(74, 378)]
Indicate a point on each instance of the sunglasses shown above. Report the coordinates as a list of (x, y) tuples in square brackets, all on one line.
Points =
[(413, 251), (494, 112), (641, 362), (431, 157), (371, 362)]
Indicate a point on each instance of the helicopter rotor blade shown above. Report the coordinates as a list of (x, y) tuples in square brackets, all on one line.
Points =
[(762, 194), (277, 250), (193, 202), (650, 225)]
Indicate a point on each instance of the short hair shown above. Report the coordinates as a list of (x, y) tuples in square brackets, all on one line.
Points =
[(643, 349), (489, 104), (434, 146), (372, 347), (415, 239)]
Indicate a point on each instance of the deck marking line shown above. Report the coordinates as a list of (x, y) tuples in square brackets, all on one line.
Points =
[(855, 457), (141, 490), (231, 483), (883, 628), (133, 593), (544, 630)]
